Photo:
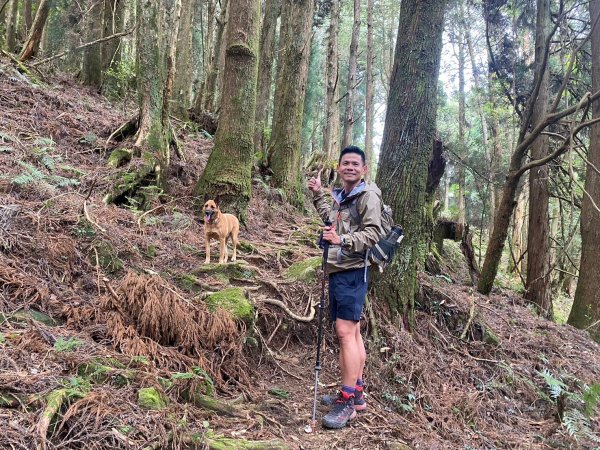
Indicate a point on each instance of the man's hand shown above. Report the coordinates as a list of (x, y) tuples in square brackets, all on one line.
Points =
[(314, 184), (331, 236)]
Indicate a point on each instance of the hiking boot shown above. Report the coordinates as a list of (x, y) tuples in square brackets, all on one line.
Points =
[(342, 412), (360, 403)]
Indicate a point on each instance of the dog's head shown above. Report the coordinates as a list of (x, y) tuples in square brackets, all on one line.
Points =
[(211, 210)]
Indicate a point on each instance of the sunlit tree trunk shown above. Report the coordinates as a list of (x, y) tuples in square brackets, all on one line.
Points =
[(265, 71), (156, 36), (516, 260), (349, 118), (407, 145), (585, 313), (35, 36), (290, 90), (331, 132), (228, 171), (370, 93), (539, 286), (27, 16)]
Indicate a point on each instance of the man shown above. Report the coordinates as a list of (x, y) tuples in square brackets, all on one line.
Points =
[(356, 226)]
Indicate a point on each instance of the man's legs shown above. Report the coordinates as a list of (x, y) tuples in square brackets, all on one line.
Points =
[(352, 350)]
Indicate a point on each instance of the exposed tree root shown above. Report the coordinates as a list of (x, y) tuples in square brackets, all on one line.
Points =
[(54, 402)]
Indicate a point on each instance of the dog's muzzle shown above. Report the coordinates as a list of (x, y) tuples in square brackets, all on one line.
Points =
[(208, 214)]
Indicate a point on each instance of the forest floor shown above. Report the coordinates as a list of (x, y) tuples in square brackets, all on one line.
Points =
[(110, 338)]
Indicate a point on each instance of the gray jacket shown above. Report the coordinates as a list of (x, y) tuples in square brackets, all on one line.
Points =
[(361, 234)]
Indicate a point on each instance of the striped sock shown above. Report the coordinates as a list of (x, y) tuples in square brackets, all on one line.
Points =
[(349, 391)]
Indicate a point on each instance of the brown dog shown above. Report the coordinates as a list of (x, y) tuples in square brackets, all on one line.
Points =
[(220, 226)]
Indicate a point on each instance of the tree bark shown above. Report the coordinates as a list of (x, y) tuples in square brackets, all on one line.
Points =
[(406, 147), (27, 16), (156, 32), (229, 169), (462, 151), (35, 36), (265, 72), (331, 132), (91, 69), (182, 86), (538, 288), (370, 92), (206, 101), (585, 313), (113, 23), (290, 90), (351, 80), (11, 25)]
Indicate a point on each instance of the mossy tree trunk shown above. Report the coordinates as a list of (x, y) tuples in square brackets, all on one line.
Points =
[(37, 29), (539, 286), (265, 71), (156, 32), (585, 312), (91, 69), (284, 150), (229, 168), (407, 145), (349, 118), (331, 133)]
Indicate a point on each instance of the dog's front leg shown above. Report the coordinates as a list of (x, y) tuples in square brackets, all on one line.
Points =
[(207, 242), (222, 250)]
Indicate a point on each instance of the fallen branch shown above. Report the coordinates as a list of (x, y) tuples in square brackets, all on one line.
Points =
[(88, 217), (81, 47)]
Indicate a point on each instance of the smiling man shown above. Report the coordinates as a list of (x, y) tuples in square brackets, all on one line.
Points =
[(356, 226)]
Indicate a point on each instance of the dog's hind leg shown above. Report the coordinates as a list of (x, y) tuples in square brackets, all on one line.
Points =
[(234, 240)]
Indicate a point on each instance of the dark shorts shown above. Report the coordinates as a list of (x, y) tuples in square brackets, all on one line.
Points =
[(347, 293)]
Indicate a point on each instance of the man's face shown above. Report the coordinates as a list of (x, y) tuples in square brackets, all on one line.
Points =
[(351, 168)]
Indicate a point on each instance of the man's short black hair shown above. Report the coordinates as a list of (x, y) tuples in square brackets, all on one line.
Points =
[(354, 149)]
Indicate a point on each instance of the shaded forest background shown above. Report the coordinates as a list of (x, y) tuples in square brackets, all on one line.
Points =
[(480, 124)]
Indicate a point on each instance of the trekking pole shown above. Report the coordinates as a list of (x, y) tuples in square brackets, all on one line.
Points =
[(313, 424)]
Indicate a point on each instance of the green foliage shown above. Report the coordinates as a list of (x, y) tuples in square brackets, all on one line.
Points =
[(67, 345), (34, 175), (119, 80), (281, 393), (576, 404)]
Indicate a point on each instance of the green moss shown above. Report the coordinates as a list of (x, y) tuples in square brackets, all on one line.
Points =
[(188, 282), (101, 373), (232, 300), (231, 270), (246, 246), (151, 398), (305, 270), (119, 157)]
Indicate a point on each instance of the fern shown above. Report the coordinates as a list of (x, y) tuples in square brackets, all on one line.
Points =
[(579, 426), (31, 175), (590, 397), (556, 386)]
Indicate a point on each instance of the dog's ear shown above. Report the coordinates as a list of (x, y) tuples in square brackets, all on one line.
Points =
[(217, 200)]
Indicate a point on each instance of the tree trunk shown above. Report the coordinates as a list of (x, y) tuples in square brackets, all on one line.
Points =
[(331, 132), (206, 101), (113, 23), (157, 29), (228, 172), (27, 16), (35, 36), (370, 93), (516, 260), (290, 89), (91, 69), (182, 86), (198, 47), (407, 142), (585, 313), (351, 80), (462, 150), (539, 286), (11, 25), (265, 72)]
